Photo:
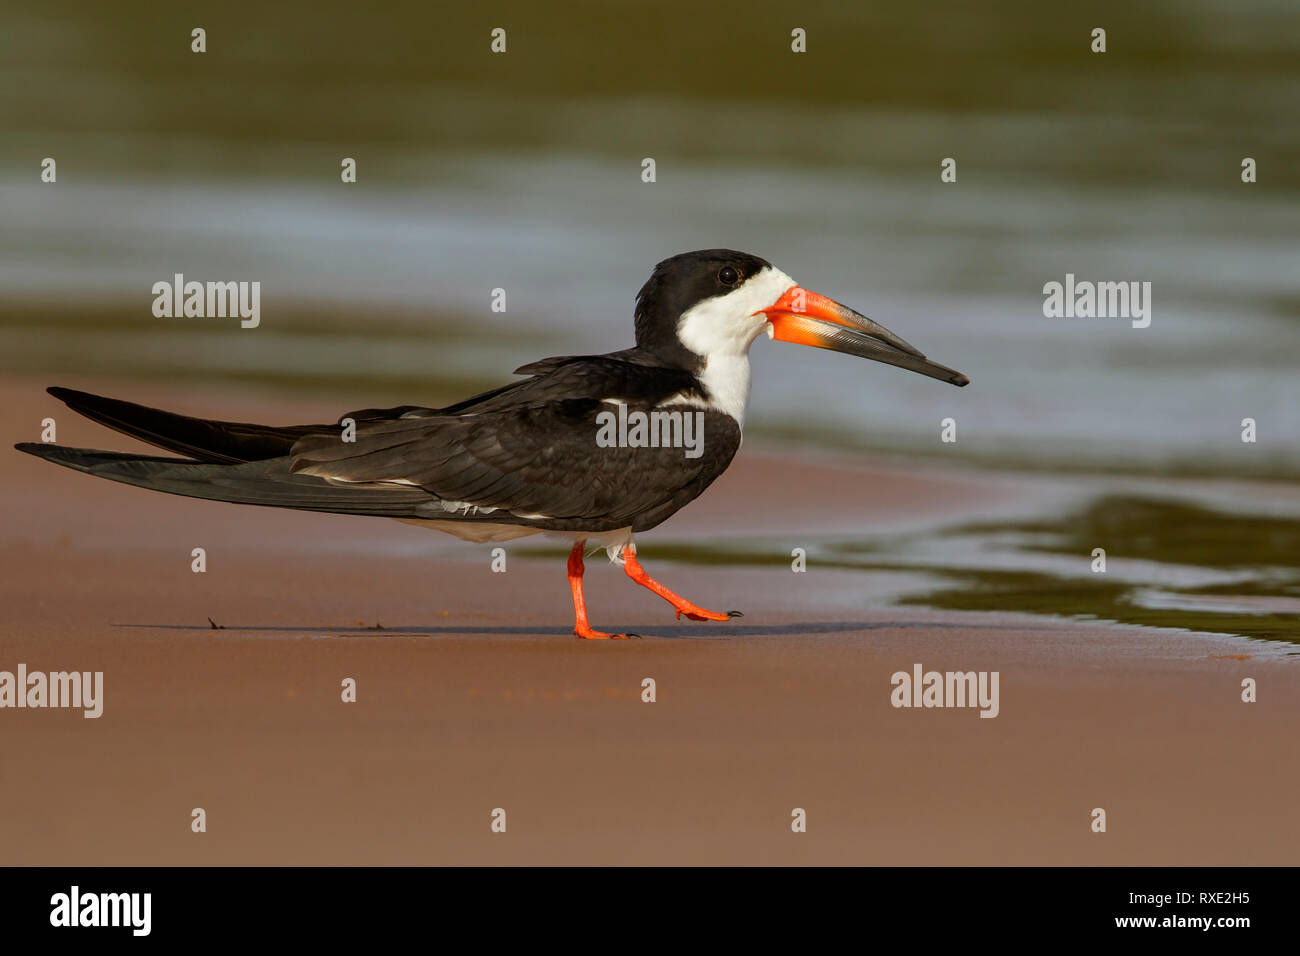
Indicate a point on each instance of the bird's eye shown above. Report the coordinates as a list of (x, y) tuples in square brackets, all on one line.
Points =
[(728, 276)]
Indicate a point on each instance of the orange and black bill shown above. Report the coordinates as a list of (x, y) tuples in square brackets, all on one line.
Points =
[(806, 318)]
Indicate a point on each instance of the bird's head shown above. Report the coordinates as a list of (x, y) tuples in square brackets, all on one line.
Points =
[(716, 302)]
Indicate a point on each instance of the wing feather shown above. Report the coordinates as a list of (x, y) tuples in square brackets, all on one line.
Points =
[(535, 456)]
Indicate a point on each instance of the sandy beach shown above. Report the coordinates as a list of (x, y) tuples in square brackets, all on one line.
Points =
[(472, 694)]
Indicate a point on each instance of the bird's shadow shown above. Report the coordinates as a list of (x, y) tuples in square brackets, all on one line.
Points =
[(680, 632)]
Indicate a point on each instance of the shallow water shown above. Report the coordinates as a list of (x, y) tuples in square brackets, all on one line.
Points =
[(1169, 564)]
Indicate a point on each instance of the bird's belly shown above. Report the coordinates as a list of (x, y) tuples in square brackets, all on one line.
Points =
[(476, 531), (481, 531)]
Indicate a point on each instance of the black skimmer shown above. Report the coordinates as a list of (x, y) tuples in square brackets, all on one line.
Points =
[(552, 452)]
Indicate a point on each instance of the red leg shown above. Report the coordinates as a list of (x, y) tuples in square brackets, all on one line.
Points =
[(638, 574), (580, 625)]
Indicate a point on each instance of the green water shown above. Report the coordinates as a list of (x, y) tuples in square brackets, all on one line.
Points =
[(390, 356), (1029, 593), (1266, 549), (1183, 87), (1171, 532)]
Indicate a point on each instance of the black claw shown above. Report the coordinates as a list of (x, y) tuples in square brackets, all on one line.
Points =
[(637, 636), (734, 614)]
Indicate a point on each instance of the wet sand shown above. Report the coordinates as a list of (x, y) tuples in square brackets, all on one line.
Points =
[(474, 696)]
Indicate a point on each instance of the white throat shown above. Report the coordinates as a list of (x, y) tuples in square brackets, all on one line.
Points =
[(722, 329)]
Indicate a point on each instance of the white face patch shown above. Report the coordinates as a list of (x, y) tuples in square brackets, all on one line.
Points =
[(721, 330)]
